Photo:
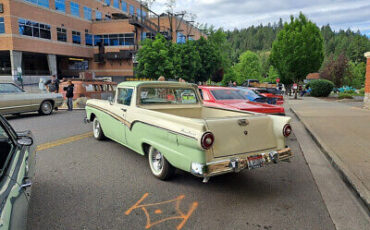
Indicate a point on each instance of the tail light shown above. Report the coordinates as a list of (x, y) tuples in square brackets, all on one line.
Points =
[(207, 140), (287, 130)]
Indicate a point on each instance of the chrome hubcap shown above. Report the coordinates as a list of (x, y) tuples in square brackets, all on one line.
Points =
[(157, 161), (46, 107), (96, 128)]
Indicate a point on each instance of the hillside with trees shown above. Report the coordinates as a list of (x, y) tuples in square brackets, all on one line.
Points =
[(286, 50)]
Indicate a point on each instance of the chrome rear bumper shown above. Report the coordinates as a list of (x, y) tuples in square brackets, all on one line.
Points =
[(237, 164)]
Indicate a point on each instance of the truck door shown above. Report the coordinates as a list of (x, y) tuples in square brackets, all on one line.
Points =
[(120, 109)]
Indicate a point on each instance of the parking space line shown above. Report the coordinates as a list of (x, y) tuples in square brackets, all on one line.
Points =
[(64, 141)]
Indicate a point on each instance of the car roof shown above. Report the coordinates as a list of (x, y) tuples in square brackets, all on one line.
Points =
[(216, 87), (140, 83)]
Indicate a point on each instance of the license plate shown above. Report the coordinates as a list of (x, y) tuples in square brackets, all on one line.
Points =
[(255, 162)]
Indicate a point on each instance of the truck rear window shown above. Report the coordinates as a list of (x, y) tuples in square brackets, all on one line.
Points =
[(167, 95)]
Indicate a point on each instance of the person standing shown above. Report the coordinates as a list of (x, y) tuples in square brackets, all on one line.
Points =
[(52, 85), (69, 94)]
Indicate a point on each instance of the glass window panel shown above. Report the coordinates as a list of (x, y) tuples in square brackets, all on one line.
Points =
[(107, 2), (35, 32), (98, 15), (45, 34), (97, 40), (60, 5), (88, 39), (116, 4), (124, 6), (132, 10), (2, 26), (87, 13), (44, 3), (75, 9)]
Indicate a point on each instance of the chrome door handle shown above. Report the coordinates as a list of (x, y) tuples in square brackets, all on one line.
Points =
[(25, 185)]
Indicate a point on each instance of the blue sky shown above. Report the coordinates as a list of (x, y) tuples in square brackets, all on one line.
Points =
[(230, 14)]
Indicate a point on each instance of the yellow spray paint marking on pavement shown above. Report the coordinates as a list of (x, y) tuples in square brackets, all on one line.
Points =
[(64, 141)]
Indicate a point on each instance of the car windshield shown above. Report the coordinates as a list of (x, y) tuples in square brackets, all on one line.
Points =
[(167, 95), (250, 93), (9, 88), (227, 94)]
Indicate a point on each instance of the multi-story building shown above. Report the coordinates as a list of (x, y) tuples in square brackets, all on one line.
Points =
[(40, 38)]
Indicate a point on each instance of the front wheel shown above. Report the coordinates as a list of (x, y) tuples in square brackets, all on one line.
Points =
[(159, 166), (46, 108), (97, 130)]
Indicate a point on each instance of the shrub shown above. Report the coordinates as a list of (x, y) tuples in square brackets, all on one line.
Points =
[(362, 92), (321, 88), (345, 95)]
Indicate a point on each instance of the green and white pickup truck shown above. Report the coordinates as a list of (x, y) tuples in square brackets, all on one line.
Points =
[(167, 122)]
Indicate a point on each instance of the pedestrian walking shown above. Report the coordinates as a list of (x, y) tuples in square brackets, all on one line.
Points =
[(52, 85), (69, 94)]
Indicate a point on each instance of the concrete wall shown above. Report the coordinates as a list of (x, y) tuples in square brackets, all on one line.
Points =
[(367, 81)]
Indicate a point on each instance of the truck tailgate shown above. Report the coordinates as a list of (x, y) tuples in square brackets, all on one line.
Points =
[(238, 135)]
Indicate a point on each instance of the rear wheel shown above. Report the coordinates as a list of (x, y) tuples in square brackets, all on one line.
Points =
[(159, 166), (97, 130), (46, 108)]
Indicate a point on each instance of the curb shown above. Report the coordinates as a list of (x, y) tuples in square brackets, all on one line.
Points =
[(65, 109), (347, 176)]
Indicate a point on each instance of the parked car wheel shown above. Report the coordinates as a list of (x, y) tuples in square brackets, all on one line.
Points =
[(97, 130), (159, 166), (46, 108)]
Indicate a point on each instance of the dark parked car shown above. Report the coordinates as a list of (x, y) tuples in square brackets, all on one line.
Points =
[(17, 160)]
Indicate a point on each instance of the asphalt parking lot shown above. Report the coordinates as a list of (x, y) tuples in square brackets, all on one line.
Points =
[(81, 183)]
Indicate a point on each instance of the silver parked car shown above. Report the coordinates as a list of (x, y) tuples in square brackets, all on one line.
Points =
[(14, 100)]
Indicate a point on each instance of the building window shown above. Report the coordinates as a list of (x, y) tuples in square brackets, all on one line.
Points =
[(138, 13), (98, 16), (2, 26), (76, 37), (44, 3), (34, 29), (88, 39), (60, 5), (87, 13), (115, 39), (97, 40), (61, 34), (124, 6), (143, 14), (107, 2), (75, 9), (116, 4), (181, 39), (132, 10)]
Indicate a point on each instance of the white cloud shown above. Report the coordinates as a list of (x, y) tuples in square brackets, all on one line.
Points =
[(229, 14)]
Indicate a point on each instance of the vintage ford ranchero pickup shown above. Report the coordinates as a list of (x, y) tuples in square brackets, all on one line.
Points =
[(167, 122)]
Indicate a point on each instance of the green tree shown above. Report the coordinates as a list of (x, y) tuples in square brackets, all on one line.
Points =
[(272, 75), (188, 60), (230, 76), (355, 76), (249, 67), (210, 60), (155, 58), (298, 50)]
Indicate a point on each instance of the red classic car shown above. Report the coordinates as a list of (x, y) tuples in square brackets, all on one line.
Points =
[(270, 93), (232, 98)]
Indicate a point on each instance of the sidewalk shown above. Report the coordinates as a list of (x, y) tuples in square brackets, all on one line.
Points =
[(343, 133)]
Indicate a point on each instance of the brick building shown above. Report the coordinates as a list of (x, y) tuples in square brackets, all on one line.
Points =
[(367, 81), (39, 38)]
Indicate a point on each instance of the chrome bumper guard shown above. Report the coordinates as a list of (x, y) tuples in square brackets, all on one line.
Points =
[(237, 164)]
